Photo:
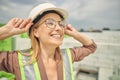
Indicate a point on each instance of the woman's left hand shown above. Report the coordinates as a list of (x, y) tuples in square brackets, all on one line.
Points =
[(69, 30)]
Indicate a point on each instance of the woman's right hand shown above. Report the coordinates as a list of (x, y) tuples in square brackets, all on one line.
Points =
[(18, 26)]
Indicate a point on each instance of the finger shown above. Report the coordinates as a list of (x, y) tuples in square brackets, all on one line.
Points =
[(25, 23), (18, 22), (28, 26), (29, 20), (12, 21), (68, 28), (69, 25)]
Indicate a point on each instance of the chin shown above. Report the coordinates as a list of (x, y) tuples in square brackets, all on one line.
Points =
[(57, 43)]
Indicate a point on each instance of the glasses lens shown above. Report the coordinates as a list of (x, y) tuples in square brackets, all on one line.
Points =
[(62, 24), (50, 23)]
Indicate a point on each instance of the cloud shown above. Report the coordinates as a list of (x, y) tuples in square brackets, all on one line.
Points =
[(85, 13), (95, 13), (79, 9), (12, 8)]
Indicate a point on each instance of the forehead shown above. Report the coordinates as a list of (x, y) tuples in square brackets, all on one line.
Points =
[(51, 15)]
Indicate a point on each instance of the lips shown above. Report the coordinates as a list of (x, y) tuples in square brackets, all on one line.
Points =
[(58, 36)]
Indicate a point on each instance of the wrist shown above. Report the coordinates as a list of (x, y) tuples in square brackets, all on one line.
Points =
[(85, 40), (8, 30), (5, 29), (76, 35)]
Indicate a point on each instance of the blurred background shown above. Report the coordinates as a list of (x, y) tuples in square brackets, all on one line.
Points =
[(97, 19)]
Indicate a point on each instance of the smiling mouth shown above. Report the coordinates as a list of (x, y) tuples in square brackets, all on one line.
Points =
[(58, 36)]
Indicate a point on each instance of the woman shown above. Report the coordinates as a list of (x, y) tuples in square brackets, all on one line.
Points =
[(45, 60)]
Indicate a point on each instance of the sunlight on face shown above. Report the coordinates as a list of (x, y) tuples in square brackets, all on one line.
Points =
[(48, 36)]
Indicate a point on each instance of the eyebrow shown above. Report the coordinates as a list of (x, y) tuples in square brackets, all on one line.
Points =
[(47, 19)]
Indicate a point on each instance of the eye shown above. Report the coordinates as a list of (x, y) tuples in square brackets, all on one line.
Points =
[(62, 24), (50, 22)]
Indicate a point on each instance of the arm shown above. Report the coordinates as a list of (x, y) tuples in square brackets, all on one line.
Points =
[(80, 52), (14, 26), (8, 60), (77, 35), (5, 57)]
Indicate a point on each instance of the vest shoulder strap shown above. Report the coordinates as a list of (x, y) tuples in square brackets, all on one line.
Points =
[(28, 72), (67, 63)]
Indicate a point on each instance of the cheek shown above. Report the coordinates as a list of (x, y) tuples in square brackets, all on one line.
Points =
[(63, 32), (37, 32), (43, 33)]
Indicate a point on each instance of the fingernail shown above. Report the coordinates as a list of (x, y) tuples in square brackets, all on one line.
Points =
[(69, 25)]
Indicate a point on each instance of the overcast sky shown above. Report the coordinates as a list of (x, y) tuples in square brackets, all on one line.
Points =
[(82, 13)]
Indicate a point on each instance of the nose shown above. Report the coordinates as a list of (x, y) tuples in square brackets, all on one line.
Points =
[(58, 27)]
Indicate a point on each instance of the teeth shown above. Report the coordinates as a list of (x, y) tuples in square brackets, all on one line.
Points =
[(56, 35)]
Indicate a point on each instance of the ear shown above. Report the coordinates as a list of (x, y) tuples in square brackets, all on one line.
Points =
[(35, 32)]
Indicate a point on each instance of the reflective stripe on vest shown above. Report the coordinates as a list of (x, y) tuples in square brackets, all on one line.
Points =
[(31, 72), (67, 62)]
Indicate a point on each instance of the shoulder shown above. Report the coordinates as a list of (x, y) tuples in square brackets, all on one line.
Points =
[(8, 53), (15, 51)]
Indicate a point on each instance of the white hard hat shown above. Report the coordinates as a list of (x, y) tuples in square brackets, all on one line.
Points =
[(46, 7)]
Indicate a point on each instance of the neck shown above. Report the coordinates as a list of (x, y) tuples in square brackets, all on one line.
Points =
[(47, 53)]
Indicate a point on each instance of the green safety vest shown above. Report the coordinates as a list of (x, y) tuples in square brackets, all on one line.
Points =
[(32, 72)]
